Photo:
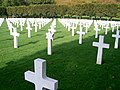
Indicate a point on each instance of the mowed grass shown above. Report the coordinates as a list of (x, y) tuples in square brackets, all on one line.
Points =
[(73, 65)]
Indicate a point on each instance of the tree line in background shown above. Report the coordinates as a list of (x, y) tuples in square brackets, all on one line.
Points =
[(73, 2), (61, 11), (48, 10), (6, 3)]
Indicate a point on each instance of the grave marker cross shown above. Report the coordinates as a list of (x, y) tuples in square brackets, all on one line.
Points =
[(80, 33), (117, 36), (49, 36), (39, 77), (96, 31), (15, 35), (100, 46), (29, 29)]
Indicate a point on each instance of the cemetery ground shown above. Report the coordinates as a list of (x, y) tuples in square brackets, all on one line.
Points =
[(73, 65)]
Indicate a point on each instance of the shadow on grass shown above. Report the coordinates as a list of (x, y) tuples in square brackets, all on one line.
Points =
[(23, 32), (58, 37), (29, 43), (37, 35), (9, 39)]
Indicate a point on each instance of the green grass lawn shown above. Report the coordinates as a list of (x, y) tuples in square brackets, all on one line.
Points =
[(73, 65)]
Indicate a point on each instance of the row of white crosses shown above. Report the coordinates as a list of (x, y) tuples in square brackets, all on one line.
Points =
[(50, 35), (101, 45), (74, 23), (36, 23), (105, 25), (39, 78), (15, 23)]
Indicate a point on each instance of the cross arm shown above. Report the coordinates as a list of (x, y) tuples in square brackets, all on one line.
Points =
[(106, 46), (50, 83), (96, 44), (30, 76), (78, 32)]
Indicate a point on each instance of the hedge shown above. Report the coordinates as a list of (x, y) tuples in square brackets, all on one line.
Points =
[(48, 10), (2, 11)]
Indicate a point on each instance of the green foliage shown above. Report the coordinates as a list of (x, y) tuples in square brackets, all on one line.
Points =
[(118, 13), (52, 10), (2, 11), (40, 1)]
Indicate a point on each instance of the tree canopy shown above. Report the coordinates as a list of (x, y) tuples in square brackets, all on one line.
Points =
[(24, 2)]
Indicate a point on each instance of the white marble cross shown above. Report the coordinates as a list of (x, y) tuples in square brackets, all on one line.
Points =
[(29, 30), (80, 33), (15, 35), (118, 25), (113, 26), (100, 46), (107, 27), (36, 26), (10, 28), (96, 31), (39, 77), (39, 25), (52, 30), (21, 25), (87, 26), (117, 36), (68, 25), (49, 36), (73, 29)]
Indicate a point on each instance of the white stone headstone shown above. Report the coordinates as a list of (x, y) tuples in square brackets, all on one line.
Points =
[(117, 36), (69, 26), (21, 25), (36, 26), (96, 31), (73, 29), (15, 35), (52, 30), (39, 25), (100, 46), (29, 29), (39, 77), (81, 33), (106, 30), (87, 26), (118, 25), (113, 26), (49, 37)]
